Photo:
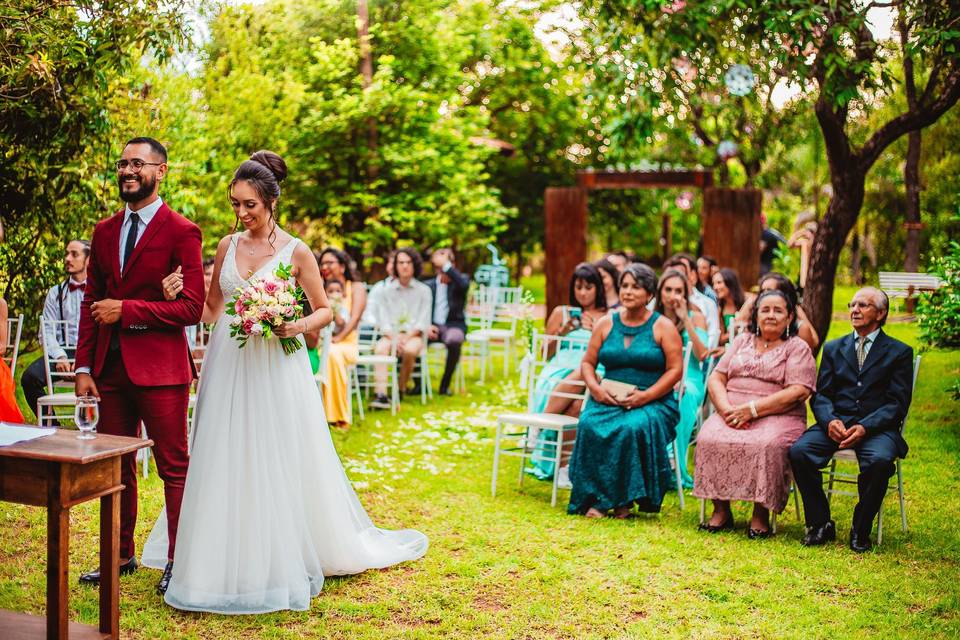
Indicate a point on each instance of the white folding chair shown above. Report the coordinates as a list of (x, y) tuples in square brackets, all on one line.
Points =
[(11, 352), (366, 362), (849, 455), (499, 311), (517, 432), (60, 385)]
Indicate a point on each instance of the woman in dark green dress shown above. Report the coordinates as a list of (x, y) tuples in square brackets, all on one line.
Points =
[(620, 457)]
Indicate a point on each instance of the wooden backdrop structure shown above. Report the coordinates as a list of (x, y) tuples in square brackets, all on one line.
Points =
[(730, 222)]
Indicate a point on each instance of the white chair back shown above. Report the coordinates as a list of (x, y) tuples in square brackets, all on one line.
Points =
[(57, 379), (913, 389), (545, 347), (11, 352), (687, 351)]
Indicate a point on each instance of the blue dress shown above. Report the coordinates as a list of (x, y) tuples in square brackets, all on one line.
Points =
[(695, 388), (564, 362), (620, 456)]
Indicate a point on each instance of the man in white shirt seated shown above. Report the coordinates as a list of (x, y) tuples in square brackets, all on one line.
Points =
[(62, 304), (403, 317)]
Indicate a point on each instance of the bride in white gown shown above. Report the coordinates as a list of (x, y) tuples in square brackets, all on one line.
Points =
[(267, 509)]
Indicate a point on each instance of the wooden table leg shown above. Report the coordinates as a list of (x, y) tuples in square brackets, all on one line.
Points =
[(110, 564), (58, 554)]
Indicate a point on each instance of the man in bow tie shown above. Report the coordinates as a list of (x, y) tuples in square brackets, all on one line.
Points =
[(61, 316), (864, 388)]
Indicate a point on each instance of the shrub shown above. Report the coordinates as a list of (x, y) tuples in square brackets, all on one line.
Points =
[(939, 311)]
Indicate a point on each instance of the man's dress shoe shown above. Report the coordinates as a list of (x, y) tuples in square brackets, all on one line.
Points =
[(823, 534), (93, 577), (165, 578), (859, 542)]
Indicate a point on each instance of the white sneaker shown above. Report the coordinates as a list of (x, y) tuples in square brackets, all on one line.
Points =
[(563, 478)]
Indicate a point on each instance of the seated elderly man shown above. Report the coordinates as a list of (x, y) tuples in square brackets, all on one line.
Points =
[(863, 392), (403, 317)]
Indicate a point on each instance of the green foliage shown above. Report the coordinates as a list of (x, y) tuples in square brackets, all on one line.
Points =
[(939, 311), (59, 66)]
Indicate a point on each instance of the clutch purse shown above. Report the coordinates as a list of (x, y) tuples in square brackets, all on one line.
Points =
[(619, 390)]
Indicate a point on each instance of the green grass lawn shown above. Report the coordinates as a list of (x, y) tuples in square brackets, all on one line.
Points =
[(513, 567)]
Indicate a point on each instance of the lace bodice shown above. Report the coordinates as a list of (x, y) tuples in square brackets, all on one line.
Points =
[(230, 278)]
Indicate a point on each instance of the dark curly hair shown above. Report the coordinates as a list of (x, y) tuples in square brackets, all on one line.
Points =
[(343, 259), (414, 255), (591, 275), (791, 329), (784, 284)]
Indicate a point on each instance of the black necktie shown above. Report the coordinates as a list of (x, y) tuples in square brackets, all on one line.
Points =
[(131, 239)]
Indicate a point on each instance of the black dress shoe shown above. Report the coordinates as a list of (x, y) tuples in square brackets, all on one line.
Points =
[(823, 534), (859, 543), (716, 528), (445, 392), (165, 579), (93, 577)]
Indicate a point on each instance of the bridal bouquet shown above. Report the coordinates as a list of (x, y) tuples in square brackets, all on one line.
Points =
[(266, 303)]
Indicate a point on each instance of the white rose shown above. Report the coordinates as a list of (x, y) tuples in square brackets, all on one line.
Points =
[(256, 329)]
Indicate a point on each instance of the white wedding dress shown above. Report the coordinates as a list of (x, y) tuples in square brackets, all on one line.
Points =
[(267, 509)]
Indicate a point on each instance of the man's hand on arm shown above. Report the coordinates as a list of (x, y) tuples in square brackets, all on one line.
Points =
[(106, 311)]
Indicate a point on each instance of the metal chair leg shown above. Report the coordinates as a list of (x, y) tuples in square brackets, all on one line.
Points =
[(903, 508), (496, 460)]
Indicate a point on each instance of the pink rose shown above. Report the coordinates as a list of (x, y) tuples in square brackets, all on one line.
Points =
[(238, 306), (271, 286), (248, 326)]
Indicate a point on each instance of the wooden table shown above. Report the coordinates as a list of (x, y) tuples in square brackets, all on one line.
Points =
[(57, 472)]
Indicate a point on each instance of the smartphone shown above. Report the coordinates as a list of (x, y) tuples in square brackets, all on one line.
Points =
[(575, 314)]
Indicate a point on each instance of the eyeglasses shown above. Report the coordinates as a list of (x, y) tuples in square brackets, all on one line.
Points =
[(860, 305), (136, 164)]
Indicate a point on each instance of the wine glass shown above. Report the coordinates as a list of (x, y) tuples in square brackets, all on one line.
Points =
[(87, 414)]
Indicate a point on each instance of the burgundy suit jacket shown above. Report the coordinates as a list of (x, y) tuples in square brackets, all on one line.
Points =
[(153, 343)]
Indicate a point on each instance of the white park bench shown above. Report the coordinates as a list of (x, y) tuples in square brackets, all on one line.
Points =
[(900, 284)]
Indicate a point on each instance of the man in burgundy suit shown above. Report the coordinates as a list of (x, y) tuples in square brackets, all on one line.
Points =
[(132, 352)]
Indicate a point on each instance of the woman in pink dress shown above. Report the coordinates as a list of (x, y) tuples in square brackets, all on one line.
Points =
[(758, 389)]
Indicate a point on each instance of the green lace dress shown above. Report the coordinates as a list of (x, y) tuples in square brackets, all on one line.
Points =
[(620, 456)]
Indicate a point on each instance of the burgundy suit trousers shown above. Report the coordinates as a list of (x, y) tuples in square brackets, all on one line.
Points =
[(163, 410)]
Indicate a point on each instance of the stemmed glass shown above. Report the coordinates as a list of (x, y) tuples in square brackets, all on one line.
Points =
[(87, 414)]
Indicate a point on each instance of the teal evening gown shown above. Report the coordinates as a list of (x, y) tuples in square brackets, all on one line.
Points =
[(620, 456), (695, 388)]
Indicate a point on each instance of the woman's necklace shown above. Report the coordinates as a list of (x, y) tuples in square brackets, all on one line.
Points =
[(766, 344)]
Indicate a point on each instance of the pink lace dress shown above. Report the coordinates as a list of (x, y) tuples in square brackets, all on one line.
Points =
[(751, 464)]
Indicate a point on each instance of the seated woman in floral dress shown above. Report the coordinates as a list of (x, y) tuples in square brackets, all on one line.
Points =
[(758, 389), (620, 456)]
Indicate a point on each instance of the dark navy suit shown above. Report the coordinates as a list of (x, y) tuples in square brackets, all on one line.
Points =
[(876, 396)]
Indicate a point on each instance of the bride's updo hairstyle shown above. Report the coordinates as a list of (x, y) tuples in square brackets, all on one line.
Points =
[(264, 171)]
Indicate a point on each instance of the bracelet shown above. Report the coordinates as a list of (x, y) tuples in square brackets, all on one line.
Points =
[(753, 409)]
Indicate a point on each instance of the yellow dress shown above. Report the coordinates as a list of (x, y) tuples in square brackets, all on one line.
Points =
[(336, 391)]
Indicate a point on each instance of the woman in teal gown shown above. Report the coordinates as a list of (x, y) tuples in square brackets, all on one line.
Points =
[(673, 294), (620, 456), (587, 306)]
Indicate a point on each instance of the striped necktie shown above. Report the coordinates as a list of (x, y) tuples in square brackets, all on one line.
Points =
[(862, 342)]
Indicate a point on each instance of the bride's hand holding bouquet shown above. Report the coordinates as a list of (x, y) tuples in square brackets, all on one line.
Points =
[(268, 306)]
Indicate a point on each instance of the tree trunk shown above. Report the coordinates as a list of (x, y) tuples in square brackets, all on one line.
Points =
[(911, 180), (832, 232)]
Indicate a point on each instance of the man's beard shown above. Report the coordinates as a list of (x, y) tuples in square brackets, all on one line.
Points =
[(146, 188)]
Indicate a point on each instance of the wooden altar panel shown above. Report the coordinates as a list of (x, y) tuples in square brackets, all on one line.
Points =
[(731, 230), (565, 239)]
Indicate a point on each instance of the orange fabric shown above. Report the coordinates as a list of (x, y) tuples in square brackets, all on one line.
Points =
[(9, 411)]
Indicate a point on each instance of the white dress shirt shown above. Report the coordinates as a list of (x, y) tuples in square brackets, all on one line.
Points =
[(871, 338), (441, 304), (59, 297), (146, 215), (403, 309)]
